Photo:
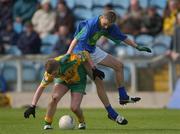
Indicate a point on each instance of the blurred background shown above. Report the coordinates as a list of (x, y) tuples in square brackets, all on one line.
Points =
[(33, 30)]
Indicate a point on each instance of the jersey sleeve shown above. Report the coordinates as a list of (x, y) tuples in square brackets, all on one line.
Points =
[(83, 34), (116, 35), (47, 79)]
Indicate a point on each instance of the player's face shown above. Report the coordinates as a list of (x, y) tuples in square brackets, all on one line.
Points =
[(105, 24), (55, 73)]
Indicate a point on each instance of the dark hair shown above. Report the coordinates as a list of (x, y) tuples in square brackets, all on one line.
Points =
[(110, 16), (51, 65), (109, 6)]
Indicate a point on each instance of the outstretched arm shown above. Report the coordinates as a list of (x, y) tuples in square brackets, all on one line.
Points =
[(116, 35), (72, 45), (133, 44), (37, 95), (31, 110)]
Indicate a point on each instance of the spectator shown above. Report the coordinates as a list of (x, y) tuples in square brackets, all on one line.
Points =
[(132, 20), (134, 10), (64, 16), (24, 10), (29, 41), (5, 12), (64, 40), (170, 17), (8, 37), (152, 22), (44, 19), (174, 54), (177, 33)]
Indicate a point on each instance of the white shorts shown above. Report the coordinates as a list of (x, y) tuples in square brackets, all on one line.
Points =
[(98, 55)]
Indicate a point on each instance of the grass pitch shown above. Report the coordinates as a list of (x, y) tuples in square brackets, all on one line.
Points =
[(141, 121)]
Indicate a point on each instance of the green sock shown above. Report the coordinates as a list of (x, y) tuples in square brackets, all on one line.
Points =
[(47, 123)]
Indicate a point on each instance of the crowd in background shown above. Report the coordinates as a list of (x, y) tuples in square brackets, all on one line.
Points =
[(29, 25)]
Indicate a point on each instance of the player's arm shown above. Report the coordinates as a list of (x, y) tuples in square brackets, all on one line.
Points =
[(117, 36), (133, 44), (72, 45), (37, 95), (31, 109), (82, 36)]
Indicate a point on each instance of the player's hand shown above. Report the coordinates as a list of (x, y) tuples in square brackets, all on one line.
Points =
[(146, 49), (98, 73), (30, 110)]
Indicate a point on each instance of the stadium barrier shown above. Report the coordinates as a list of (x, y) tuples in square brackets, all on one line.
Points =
[(131, 61)]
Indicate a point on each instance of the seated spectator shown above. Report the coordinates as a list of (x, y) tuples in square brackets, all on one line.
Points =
[(44, 19), (5, 12), (29, 41), (64, 40), (152, 22), (8, 37), (170, 17), (64, 16), (24, 9), (173, 55), (134, 10), (132, 20), (176, 37)]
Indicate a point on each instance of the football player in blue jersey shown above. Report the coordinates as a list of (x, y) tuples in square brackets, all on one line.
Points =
[(85, 38)]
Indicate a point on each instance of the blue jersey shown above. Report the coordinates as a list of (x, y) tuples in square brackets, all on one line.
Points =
[(89, 31)]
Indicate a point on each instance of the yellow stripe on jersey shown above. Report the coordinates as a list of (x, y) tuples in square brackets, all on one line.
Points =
[(71, 74)]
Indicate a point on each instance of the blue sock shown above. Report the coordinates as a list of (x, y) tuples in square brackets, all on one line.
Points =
[(112, 113), (123, 93)]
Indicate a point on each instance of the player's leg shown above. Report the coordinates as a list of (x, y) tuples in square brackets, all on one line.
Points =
[(76, 99), (112, 114), (58, 92), (117, 66), (102, 58), (99, 86)]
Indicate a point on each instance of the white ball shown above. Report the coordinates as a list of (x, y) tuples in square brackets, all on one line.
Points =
[(66, 122)]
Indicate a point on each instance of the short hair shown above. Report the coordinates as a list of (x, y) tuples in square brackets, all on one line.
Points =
[(51, 65), (110, 16), (109, 6)]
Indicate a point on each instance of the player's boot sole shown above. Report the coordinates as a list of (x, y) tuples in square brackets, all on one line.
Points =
[(131, 100)]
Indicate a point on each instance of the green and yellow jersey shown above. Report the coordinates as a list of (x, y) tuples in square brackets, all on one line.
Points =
[(71, 69)]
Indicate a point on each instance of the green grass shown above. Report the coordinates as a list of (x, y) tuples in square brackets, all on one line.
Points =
[(141, 121)]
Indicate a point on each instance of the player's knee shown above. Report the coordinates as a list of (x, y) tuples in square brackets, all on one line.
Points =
[(74, 108), (118, 66), (55, 98)]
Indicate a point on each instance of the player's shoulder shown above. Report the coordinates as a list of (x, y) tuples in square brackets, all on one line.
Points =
[(58, 58)]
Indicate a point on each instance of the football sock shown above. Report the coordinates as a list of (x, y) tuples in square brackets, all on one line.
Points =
[(123, 93), (81, 119), (48, 120), (111, 112)]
